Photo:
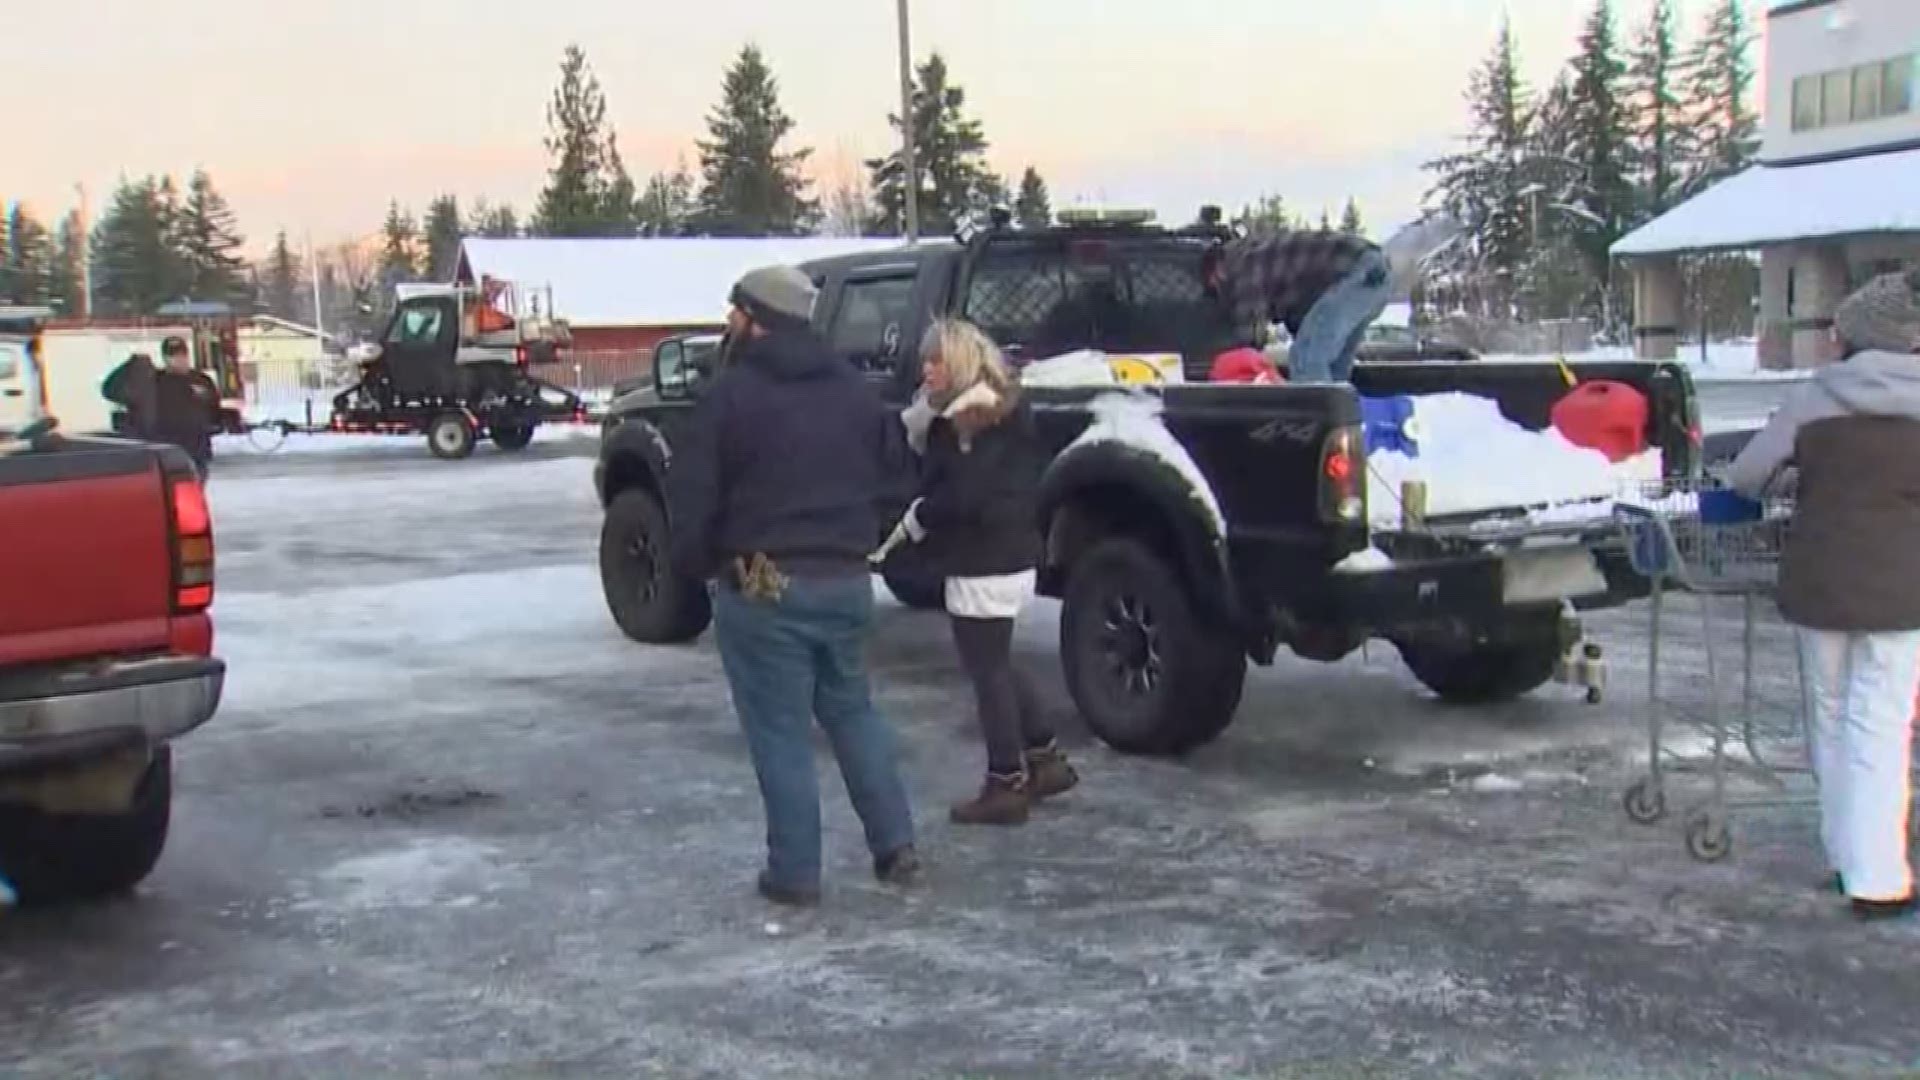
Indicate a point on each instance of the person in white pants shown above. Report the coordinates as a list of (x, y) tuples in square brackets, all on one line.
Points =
[(1850, 581)]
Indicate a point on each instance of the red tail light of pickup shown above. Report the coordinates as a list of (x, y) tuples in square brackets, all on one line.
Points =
[(192, 546)]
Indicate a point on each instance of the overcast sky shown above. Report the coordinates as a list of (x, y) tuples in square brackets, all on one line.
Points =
[(312, 115)]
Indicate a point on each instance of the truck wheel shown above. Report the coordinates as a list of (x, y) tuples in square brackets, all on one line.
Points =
[(652, 604), (1147, 673), (1489, 672), (513, 435), (56, 858), (450, 436)]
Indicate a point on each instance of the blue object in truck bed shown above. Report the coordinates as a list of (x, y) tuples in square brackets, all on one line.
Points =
[(1385, 421)]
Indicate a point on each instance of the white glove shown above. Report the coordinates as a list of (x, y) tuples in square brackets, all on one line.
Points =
[(918, 417), (908, 531)]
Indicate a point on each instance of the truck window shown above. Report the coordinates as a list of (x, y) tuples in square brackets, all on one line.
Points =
[(872, 316), (1054, 295), (417, 324)]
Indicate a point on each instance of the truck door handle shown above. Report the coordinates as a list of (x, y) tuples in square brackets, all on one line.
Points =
[(16, 393)]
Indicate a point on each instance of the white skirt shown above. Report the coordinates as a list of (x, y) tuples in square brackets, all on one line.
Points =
[(998, 597)]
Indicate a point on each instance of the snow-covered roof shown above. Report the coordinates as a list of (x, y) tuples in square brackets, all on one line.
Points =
[(1779, 204), (643, 282)]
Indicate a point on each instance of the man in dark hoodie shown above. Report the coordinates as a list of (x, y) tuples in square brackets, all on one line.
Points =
[(772, 496)]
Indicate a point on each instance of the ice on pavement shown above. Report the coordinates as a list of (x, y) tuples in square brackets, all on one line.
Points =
[(1133, 420), (1472, 458)]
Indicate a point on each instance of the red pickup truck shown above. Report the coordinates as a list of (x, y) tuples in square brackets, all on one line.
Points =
[(106, 653)]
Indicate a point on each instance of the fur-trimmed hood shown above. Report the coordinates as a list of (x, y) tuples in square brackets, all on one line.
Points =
[(980, 408)]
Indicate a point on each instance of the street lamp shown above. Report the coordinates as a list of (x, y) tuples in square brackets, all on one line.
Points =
[(910, 181)]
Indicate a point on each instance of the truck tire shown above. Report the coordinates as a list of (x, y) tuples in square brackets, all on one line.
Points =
[(513, 435), (1486, 673), (650, 602), (1148, 674), (59, 858), (450, 436)]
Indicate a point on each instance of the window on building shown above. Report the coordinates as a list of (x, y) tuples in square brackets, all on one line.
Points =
[(1836, 98), (1806, 103), (1854, 95)]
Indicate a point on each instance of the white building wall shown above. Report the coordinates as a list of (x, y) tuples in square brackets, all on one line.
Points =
[(1829, 37)]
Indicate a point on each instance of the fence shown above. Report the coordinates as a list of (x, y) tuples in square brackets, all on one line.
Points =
[(302, 392)]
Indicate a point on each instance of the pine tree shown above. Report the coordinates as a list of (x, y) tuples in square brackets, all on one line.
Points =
[(1716, 100), (1484, 189), (750, 186), (67, 278), (949, 154), (136, 266), (1350, 220), (399, 247), (1270, 214), (209, 243), (668, 206), (26, 269), (1659, 134), (619, 200), (280, 280), (443, 230), (575, 200), (1033, 207), (1597, 209), (493, 222)]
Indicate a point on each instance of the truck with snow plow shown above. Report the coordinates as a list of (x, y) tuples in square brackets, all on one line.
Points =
[(1246, 528), (455, 362)]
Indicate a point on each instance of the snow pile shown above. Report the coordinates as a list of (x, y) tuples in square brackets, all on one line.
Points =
[(1473, 459), (1367, 560), (1133, 420), (1083, 368)]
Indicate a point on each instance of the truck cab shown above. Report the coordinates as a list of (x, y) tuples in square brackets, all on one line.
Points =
[(22, 392)]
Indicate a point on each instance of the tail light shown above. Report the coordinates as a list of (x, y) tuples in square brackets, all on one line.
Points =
[(192, 546), (1343, 477)]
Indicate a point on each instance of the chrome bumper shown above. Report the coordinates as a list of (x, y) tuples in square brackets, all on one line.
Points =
[(80, 712)]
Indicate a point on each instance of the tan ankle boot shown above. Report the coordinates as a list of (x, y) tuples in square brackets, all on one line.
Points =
[(1003, 800), (1048, 773)]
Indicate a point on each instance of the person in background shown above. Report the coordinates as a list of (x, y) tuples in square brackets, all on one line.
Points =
[(1325, 287), (1850, 580), (978, 515), (131, 386), (772, 496), (186, 405)]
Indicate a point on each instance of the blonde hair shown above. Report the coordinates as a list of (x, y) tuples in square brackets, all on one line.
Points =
[(969, 354)]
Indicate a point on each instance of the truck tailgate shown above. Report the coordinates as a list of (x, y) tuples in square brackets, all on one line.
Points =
[(85, 555)]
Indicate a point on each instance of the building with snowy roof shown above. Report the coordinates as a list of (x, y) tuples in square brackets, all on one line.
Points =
[(1836, 197)]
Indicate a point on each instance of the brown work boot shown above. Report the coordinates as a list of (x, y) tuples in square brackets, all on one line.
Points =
[(1003, 800), (1048, 773)]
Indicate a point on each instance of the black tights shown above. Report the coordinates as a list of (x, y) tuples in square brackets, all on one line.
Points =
[(1010, 716)]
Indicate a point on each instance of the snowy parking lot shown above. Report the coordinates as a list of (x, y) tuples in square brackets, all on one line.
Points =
[(450, 823)]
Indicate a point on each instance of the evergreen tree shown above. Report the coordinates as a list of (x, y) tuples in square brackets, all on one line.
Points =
[(1484, 189), (575, 200), (280, 285), (1350, 220), (26, 261), (1554, 279), (493, 222), (620, 201), (949, 154), (1598, 208), (444, 230), (399, 247), (1033, 207), (668, 206), (1270, 214), (750, 185), (1326, 220), (67, 278), (208, 242), (1717, 100), (136, 265), (1659, 133)]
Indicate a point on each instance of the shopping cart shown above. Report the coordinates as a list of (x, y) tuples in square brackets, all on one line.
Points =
[(1713, 543)]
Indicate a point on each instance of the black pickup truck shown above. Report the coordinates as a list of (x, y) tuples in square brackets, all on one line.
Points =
[(1166, 597)]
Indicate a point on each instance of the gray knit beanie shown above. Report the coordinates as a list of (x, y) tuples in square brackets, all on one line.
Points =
[(777, 297), (1884, 315)]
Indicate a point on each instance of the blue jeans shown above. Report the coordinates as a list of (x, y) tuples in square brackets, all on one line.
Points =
[(1331, 333), (789, 663)]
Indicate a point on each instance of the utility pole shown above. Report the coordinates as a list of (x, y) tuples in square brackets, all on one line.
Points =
[(910, 186), (86, 255)]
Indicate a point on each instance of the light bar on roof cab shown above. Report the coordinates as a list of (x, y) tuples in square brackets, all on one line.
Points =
[(1105, 217)]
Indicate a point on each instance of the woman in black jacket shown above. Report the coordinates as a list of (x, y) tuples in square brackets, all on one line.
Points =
[(978, 517)]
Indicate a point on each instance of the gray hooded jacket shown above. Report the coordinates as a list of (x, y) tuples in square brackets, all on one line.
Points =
[(1852, 561)]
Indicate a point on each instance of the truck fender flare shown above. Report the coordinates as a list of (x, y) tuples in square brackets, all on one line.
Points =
[(1102, 470), (636, 455)]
